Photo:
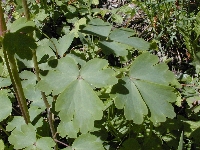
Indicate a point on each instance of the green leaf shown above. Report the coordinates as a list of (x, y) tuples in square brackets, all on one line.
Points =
[(44, 50), (68, 128), (98, 27), (45, 143), (80, 104), (130, 143), (4, 82), (22, 25), (124, 36), (147, 85), (96, 73), (17, 122), (34, 112), (112, 47), (2, 146), (63, 43), (5, 105), (87, 142), (57, 80), (24, 137), (180, 146), (21, 45)]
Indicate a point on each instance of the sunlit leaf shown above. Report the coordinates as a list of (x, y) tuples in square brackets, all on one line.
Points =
[(24, 137), (146, 87), (22, 25), (80, 104), (63, 43), (5, 105), (96, 73), (124, 36), (86, 142), (57, 80)]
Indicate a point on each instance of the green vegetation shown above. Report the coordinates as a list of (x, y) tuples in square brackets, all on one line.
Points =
[(77, 76)]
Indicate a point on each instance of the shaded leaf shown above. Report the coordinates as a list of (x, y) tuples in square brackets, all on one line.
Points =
[(180, 146), (112, 47), (97, 27), (130, 143), (21, 45)]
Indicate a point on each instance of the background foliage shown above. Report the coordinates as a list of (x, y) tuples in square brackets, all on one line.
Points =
[(98, 75)]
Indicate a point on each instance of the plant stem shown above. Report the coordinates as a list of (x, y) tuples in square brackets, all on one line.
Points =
[(4, 130), (17, 81), (13, 72), (2, 22), (37, 73), (26, 10)]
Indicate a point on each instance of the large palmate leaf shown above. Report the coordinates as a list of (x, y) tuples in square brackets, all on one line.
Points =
[(26, 138), (78, 104), (57, 80), (92, 73), (146, 86)]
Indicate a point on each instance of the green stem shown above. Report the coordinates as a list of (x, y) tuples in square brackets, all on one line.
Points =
[(26, 10), (2, 22), (14, 76), (4, 130), (37, 72), (17, 81)]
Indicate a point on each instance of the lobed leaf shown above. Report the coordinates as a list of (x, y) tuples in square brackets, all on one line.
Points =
[(26, 138), (86, 142), (80, 104), (94, 73), (147, 86), (57, 80), (63, 43)]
